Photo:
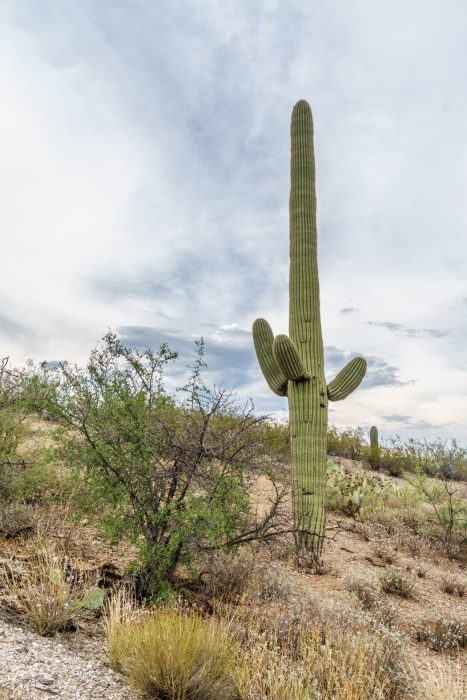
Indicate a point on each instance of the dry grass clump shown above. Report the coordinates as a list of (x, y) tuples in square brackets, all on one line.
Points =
[(366, 590), (247, 575), (369, 594), (40, 592), (172, 654), (421, 571), (397, 581), (385, 552), (454, 586), (441, 633), (327, 663), (228, 577), (15, 520), (364, 529), (6, 694), (441, 682), (246, 654)]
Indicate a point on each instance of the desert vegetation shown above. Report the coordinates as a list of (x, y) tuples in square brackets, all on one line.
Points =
[(162, 523)]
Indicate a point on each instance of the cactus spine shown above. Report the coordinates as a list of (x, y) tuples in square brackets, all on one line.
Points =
[(374, 447), (293, 365)]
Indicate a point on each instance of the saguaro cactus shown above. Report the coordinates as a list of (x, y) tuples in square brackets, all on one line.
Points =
[(374, 447), (293, 365)]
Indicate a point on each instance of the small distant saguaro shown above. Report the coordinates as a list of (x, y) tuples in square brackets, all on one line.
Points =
[(374, 447), (293, 365)]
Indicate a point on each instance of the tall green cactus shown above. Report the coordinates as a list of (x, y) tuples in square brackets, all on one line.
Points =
[(374, 447), (293, 365)]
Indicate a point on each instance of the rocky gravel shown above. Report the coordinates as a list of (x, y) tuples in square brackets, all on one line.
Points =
[(36, 668)]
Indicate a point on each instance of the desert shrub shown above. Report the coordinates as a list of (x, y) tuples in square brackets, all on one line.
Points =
[(442, 458), (349, 443), (271, 581), (385, 551), (248, 574), (172, 473), (277, 439), (453, 586), (39, 480), (369, 594), (228, 576), (12, 429), (396, 457), (366, 590), (26, 474), (41, 592), (448, 509), (173, 654), (397, 581), (441, 632)]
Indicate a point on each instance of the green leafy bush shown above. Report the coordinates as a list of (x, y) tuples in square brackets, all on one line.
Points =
[(171, 473), (448, 510), (12, 429), (349, 443)]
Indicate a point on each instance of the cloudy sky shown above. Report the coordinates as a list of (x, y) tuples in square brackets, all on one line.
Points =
[(144, 173)]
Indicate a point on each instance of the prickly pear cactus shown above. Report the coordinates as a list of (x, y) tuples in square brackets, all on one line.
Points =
[(293, 365), (374, 447)]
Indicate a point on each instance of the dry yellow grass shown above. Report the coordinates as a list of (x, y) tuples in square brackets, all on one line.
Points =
[(39, 591), (440, 682), (331, 665), (172, 654)]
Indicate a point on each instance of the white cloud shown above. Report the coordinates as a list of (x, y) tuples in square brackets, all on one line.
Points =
[(144, 174)]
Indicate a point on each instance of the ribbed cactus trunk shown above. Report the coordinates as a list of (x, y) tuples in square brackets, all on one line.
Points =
[(294, 365), (308, 402)]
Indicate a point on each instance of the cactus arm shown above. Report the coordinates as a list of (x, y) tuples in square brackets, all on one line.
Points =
[(347, 380), (263, 339), (287, 358)]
